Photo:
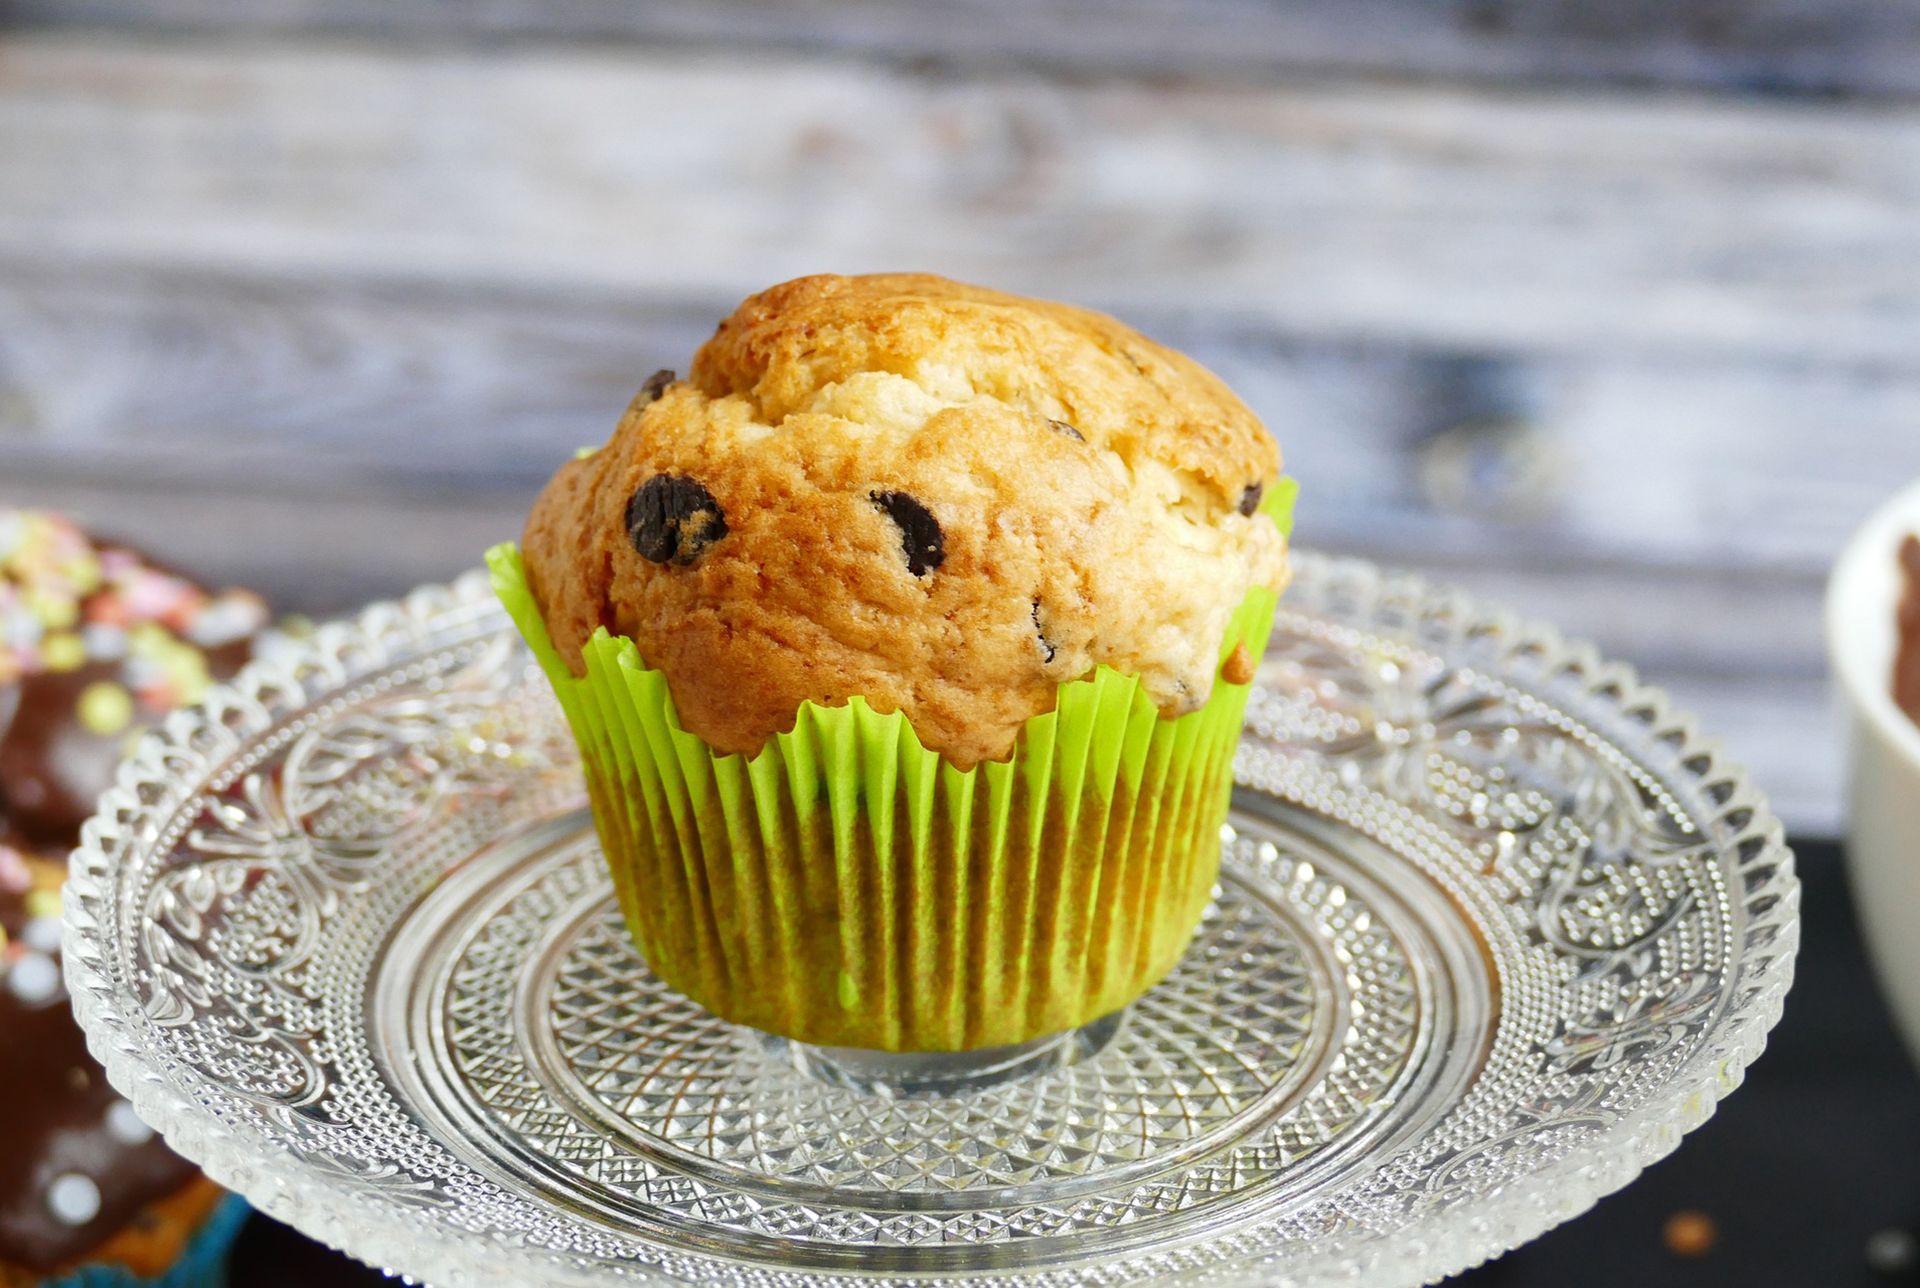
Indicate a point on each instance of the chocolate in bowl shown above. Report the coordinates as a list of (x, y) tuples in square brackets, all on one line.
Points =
[(1872, 620), (1906, 656)]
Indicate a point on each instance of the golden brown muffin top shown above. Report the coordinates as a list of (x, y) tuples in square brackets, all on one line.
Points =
[(945, 499)]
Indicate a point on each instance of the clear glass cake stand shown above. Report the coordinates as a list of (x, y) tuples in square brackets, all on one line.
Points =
[(1495, 928)]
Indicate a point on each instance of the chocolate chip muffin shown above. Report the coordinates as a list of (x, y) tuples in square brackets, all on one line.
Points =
[(983, 577), (947, 500)]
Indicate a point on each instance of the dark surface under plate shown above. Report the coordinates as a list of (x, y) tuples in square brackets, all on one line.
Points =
[(1814, 1156)]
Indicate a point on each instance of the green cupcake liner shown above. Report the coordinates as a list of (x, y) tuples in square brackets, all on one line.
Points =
[(848, 887)]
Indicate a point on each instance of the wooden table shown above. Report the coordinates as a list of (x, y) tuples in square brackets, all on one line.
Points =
[(1610, 311)]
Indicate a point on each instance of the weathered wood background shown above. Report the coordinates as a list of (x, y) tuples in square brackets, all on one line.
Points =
[(1607, 308)]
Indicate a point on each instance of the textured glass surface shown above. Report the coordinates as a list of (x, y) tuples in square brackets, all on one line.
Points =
[(1495, 928)]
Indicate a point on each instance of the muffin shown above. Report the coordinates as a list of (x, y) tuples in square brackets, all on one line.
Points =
[(906, 641), (95, 640)]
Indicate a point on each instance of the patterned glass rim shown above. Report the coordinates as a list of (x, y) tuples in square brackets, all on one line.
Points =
[(151, 786)]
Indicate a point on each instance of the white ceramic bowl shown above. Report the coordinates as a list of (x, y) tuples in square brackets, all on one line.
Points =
[(1883, 809)]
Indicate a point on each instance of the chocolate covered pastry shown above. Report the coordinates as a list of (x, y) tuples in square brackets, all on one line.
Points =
[(96, 641)]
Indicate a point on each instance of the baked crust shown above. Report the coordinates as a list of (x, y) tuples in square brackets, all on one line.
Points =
[(942, 498)]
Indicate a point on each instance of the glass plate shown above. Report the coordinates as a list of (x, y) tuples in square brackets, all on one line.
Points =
[(1495, 928)]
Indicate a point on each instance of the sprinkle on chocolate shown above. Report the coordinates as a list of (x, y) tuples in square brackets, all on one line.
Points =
[(95, 641), (127, 1126), (105, 709), (921, 539), (1250, 498), (34, 978), (672, 519), (73, 1199), (66, 603)]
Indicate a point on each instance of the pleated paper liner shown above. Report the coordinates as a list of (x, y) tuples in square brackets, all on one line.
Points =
[(847, 887)]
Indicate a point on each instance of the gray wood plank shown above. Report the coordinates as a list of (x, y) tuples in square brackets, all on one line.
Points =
[(1717, 482), (295, 385), (1794, 46), (1530, 222)]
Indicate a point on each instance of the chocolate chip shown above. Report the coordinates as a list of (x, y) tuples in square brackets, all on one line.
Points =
[(672, 519), (1250, 498), (1040, 632), (657, 384), (1061, 427), (920, 536)]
